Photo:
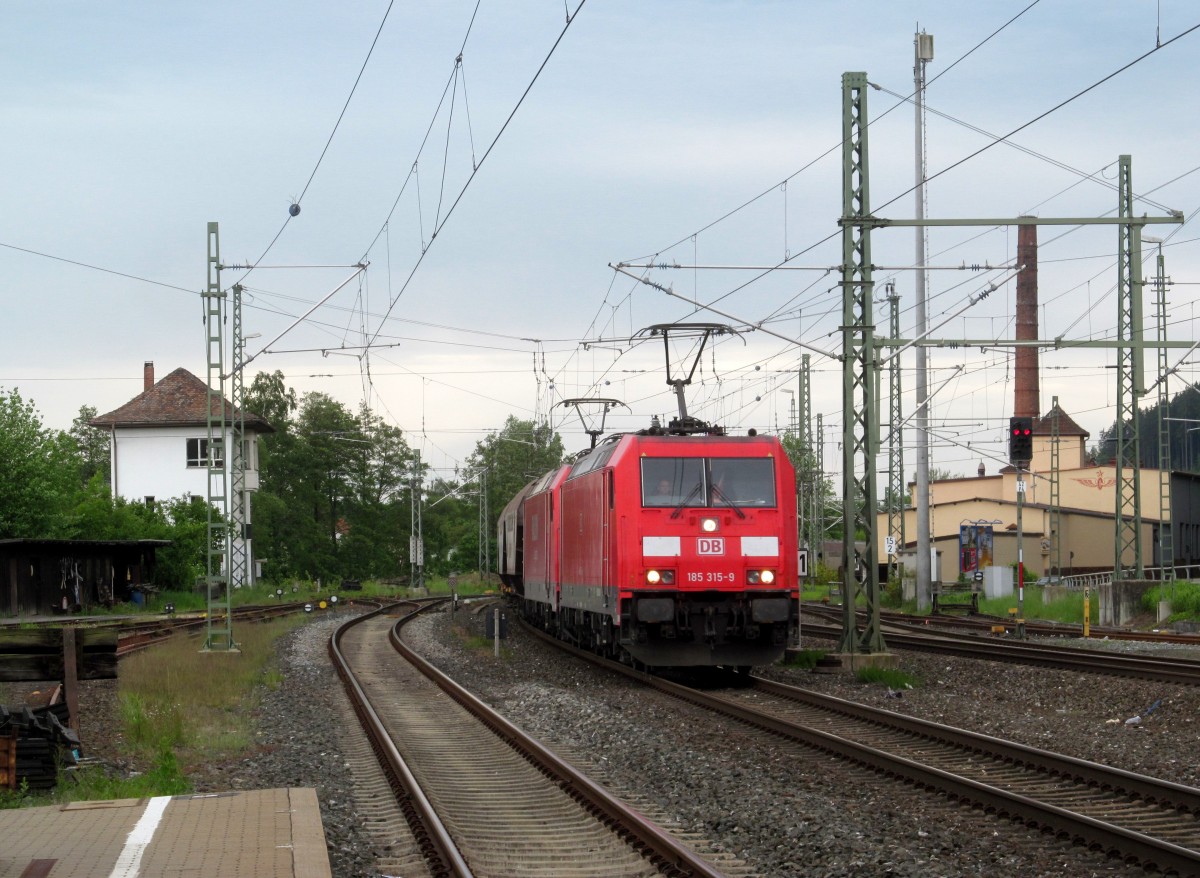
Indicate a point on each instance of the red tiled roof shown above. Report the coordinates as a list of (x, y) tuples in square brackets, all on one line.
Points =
[(179, 400), (1044, 426)]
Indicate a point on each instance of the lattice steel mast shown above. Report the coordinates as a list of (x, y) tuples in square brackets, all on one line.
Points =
[(1130, 382), (219, 624), (1055, 493), (1166, 535), (860, 572), (810, 503), (239, 568), (895, 443)]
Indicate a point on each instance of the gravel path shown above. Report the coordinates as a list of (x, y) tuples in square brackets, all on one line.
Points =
[(778, 809)]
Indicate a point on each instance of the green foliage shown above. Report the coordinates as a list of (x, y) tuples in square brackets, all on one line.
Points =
[(185, 523), (1031, 575), (336, 498), (20, 797), (826, 574), (1183, 596), (500, 466), (1183, 407), (197, 704), (804, 461), (891, 677), (337, 486), (91, 445), (1065, 608), (39, 475), (805, 659), (892, 593)]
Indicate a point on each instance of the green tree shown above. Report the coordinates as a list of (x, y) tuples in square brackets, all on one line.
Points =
[(182, 521), (1184, 438), (307, 474), (382, 472), (91, 445), (336, 488), (804, 460), (270, 398), (450, 517), (505, 461), (38, 477)]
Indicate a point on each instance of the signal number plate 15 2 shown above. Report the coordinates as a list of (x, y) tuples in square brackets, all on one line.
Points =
[(710, 576)]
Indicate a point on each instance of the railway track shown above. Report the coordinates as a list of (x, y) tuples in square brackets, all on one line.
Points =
[(484, 798), (985, 624), (1162, 669), (1139, 819), (138, 635)]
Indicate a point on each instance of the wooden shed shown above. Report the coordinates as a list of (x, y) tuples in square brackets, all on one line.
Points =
[(45, 577)]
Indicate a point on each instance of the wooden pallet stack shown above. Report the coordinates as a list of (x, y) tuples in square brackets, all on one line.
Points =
[(33, 744)]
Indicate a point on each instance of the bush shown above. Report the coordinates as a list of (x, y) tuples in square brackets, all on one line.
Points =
[(1184, 597), (893, 678)]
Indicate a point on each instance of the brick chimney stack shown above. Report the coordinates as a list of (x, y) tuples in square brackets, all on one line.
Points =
[(1026, 401), (148, 375)]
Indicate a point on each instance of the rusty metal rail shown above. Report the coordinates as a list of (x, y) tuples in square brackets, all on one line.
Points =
[(984, 624), (1141, 819), (437, 845), (1162, 669), (638, 846)]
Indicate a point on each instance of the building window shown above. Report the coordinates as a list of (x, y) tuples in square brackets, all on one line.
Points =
[(197, 453)]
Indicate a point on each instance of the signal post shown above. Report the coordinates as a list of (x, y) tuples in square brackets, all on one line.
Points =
[(1020, 453)]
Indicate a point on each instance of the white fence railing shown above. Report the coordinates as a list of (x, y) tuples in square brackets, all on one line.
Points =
[(1157, 574)]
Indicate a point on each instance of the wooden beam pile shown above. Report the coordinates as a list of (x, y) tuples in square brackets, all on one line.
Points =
[(33, 744)]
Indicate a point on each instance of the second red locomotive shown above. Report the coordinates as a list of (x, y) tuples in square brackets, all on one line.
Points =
[(668, 550)]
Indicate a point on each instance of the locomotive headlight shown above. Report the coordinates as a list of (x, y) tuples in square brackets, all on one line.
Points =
[(660, 577), (708, 525), (768, 577), (760, 577), (653, 577)]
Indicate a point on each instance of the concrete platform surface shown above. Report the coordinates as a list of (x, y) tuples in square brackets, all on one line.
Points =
[(259, 833)]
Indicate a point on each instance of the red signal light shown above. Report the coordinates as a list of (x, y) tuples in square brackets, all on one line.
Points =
[(1020, 441)]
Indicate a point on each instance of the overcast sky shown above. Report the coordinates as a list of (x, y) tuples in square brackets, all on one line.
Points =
[(130, 126)]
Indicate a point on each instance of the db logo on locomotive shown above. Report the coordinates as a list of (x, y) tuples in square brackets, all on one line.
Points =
[(710, 546)]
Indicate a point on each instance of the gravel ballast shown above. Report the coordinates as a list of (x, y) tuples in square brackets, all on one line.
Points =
[(779, 809)]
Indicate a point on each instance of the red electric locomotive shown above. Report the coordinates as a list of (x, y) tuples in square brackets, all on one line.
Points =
[(669, 550)]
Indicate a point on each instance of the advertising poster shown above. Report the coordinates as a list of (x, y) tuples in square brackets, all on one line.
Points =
[(974, 547)]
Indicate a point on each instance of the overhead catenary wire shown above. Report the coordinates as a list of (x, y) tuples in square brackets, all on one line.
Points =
[(296, 203), (475, 170), (955, 164)]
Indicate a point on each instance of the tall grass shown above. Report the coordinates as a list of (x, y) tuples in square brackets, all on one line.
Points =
[(1067, 608), (182, 708), (893, 678), (198, 702), (1183, 596)]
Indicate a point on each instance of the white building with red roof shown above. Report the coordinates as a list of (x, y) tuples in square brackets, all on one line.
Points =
[(159, 445)]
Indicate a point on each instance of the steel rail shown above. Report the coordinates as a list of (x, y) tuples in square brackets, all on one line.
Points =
[(437, 846), (1160, 669), (1097, 834), (660, 848), (986, 623)]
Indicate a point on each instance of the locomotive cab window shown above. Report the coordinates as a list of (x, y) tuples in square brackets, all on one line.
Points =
[(672, 481), (717, 481), (742, 481)]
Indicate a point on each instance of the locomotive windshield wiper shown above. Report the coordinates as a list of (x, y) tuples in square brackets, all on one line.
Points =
[(721, 495), (679, 509)]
